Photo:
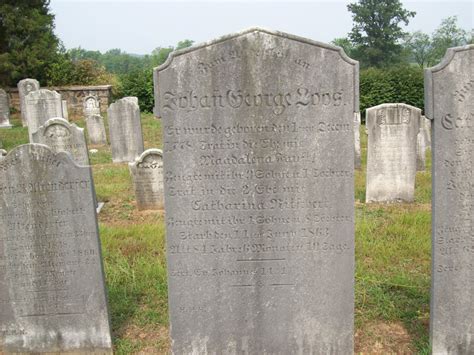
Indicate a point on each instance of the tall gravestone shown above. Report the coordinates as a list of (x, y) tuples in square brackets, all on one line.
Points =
[(125, 130), (147, 177), (391, 153), (52, 293), (357, 161), (259, 195), (4, 110), (91, 106), (423, 143), (61, 136), (96, 130), (26, 86), (65, 111), (449, 103), (40, 106)]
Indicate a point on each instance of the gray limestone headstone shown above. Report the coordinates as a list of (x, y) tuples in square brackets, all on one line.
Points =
[(357, 140), (147, 177), (96, 130), (391, 152), (4, 110), (3, 153), (65, 114), (52, 292), (62, 136), (91, 106), (259, 195), (26, 86), (423, 143), (125, 130), (449, 103), (40, 106)]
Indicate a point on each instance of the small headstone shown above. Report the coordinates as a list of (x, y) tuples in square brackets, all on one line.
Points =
[(26, 86), (259, 195), (4, 110), (64, 108), (391, 153), (449, 103), (125, 129), (423, 143), (3, 153), (91, 106), (147, 177), (52, 294), (40, 106), (357, 140), (62, 136), (96, 130)]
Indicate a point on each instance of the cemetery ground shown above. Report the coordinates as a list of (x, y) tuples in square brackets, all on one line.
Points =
[(393, 246)]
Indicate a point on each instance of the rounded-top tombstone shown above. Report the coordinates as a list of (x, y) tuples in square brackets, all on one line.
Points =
[(259, 194), (26, 86), (91, 106)]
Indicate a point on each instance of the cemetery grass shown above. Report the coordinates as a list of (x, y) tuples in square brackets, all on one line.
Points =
[(392, 259)]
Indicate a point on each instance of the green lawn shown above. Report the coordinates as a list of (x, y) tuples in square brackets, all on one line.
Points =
[(392, 259)]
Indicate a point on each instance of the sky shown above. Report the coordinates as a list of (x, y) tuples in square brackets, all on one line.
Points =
[(141, 26)]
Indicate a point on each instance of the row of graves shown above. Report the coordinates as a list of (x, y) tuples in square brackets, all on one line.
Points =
[(257, 174)]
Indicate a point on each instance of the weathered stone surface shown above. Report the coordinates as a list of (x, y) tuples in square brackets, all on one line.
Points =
[(423, 143), (65, 110), (3, 153), (40, 106), (52, 295), (147, 177), (61, 136), (391, 153), (26, 86), (96, 130), (4, 110), (259, 195), (449, 103), (357, 140), (91, 106), (125, 130)]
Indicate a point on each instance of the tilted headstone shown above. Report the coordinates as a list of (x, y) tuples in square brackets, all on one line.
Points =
[(423, 143), (4, 110), (259, 195), (62, 136), (96, 130), (52, 293), (391, 153), (147, 177), (91, 106), (26, 86), (357, 140), (125, 130), (65, 114), (449, 103), (40, 106)]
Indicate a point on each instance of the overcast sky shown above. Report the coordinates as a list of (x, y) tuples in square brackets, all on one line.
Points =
[(140, 26)]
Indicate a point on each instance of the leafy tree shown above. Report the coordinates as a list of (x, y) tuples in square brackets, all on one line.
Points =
[(28, 45), (376, 31), (418, 44), (447, 35), (345, 44), (184, 44)]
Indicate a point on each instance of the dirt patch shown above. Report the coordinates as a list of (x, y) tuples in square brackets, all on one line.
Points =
[(383, 338), (152, 339)]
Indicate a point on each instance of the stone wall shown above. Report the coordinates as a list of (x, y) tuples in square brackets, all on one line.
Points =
[(74, 95)]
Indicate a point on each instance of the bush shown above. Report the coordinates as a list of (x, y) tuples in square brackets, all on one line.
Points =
[(402, 84), (139, 83)]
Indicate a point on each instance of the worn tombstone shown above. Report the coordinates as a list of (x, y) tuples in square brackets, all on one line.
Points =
[(62, 136), (125, 130), (147, 177), (259, 195), (449, 103), (391, 153), (52, 293), (65, 114), (3, 153), (26, 86), (4, 110), (423, 143), (96, 130), (91, 106), (40, 106), (357, 161)]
